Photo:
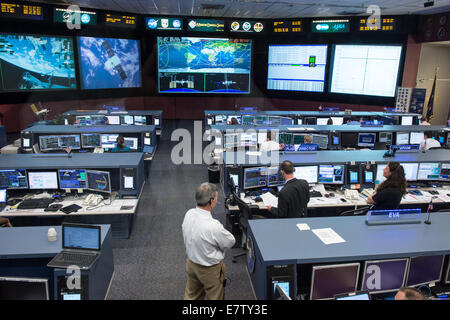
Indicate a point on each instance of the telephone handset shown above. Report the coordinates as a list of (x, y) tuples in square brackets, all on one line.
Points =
[(93, 200)]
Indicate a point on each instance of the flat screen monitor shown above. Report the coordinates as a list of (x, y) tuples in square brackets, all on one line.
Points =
[(411, 170), (72, 179), (2, 196), (298, 138), (353, 176), (285, 138), (310, 121), (204, 65), (416, 137), (308, 173), (407, 121), (331, 174), (131, 142), (43, 180), (248, 139), (337, 121), (98, 180), (113, 119), (368, 177), (274, 177), (83, 120), (402, 138), (366, 139), (429, 171), (48, 143), (221, 119), (386, 137), (72, 141), (91, 140), (297, 67), (248, 120), (365, 69), (140, 120), (30, 62), (320, 140), (424, 270), (238, 119), (285, 121), (109, 140), (349, 139), (255, 177), (13, 179), (126, 119), (360, 295), (12, 288), (380, 178), (98, 120), (384, 275), (107, 63), (331, 280), (322, 121)]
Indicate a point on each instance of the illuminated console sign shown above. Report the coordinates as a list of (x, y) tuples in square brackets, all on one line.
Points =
[(163, 23), (374, 24), (291, 26), (61, 15), (118, 20), (330, 26), (206, 25), (21, 11)]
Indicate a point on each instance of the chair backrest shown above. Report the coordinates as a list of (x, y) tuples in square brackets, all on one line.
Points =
[(245, 212)]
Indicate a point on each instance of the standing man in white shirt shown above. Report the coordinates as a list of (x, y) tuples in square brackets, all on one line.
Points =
[(206, 240), (269, 144), (428, 141)]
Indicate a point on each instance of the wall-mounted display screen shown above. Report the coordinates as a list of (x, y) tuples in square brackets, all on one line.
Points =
[(107, 63), (204, 65), (365, 69), (119, 20), (297, 67), (29, 62)]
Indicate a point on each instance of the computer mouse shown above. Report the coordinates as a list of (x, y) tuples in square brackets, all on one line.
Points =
[(331, 194), (343, 200)]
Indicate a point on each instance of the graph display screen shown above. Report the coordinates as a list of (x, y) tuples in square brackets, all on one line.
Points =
[(204, 65), (297, 67), (107, 63), (29, 62), (365, 69)]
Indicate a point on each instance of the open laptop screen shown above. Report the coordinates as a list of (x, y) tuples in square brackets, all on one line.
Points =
[(84, 237)]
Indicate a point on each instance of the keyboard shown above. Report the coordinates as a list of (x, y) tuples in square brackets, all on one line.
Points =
[(35, 203), (75, 258), (315, 194)]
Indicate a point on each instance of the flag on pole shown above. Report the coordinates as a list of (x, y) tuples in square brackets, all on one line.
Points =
[(430, 205), (431, 100)]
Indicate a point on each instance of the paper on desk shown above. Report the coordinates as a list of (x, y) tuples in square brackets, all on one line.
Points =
[(253, 153), (328, 236), (269, 199), (303, 226)]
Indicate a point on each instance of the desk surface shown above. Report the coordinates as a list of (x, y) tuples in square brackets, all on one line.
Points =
[(280, 241), (25, 242)]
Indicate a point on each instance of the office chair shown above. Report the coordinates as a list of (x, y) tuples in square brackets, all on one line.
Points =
[(355, 212), (244, 215), (41, 114)]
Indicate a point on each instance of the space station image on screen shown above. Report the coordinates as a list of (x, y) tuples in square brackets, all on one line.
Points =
[(107, 63), (204, 65), (36, 63)]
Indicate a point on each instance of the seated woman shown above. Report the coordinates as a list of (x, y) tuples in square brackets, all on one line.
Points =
[(389, 194), (120, 145)]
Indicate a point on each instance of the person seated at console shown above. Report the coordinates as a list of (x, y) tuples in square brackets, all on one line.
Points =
[(409, 294), (389, 193), (429, 142), (120, 145), (269, 144), (330, 122), (234, 121)]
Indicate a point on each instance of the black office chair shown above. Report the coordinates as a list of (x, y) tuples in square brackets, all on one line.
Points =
[(356, 212), (245, 214)]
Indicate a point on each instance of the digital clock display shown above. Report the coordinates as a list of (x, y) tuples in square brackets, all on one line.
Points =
[(291, 26), (117, 20), (21, 11)]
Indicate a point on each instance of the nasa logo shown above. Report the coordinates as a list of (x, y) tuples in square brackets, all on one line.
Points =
[(152, 24), (85, 18)]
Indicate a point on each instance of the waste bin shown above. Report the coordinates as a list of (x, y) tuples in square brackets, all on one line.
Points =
[(213, 174)]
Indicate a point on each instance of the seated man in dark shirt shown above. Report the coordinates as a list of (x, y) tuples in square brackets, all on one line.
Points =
[(389, 194), (294, 197)]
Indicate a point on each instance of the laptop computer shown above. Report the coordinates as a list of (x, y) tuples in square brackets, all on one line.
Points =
[(2, 199), (81, 246), (359, 295)]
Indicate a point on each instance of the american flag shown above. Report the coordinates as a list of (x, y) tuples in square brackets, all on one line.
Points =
[(430, 206)]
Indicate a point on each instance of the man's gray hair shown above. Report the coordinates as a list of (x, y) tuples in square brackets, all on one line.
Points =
[(205, 193)]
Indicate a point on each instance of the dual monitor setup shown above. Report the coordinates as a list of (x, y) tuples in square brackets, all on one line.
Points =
[(87, 120), (342, 174), (250, 120), (65, 179)]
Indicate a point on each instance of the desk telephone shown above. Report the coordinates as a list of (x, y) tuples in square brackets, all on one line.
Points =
[(351, 194), (368, 192), (93, 200)]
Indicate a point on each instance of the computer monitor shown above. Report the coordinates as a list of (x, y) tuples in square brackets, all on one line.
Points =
[(330, 280), (411, 169), (231, 140), (98, 120), (322, 121), (113, 119), (43, 180), (321, 140), (308, 173), (298, 138), (310, 121), (98, 180), (429, 171), (131, 142), (286, 121), (416, 137), (407, 121), (379, 177), (109, 140), (221, 119), (402, 138), (235, 179), (248, 139), (48, 143), (13, 179), (359, 295), (285, 138), (238, 119), (337, 121), (424, 270), (248, 120), (255, 177), (83, 120), (331, 174), (445, 171), (282, 291), (381, 276), (385, 137), (72, 179), (72, 141), (91, 140), (141, 120), (18, 288), (274, 177), (366, 139), (2, 196), (349, 139), (126, 119), (353, 174)]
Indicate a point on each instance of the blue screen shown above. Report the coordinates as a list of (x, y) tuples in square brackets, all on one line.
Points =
[(72, 179), (107, 63), (81, 238), (36, 63), (98, 180), (369, 176)]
